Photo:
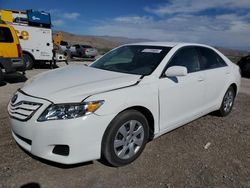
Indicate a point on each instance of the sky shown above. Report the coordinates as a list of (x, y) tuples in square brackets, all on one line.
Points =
[(223, 23)]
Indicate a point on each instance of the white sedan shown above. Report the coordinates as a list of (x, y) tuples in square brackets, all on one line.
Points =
[(128, 97)]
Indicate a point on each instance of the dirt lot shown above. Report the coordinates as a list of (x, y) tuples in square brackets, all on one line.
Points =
[(177, 159)]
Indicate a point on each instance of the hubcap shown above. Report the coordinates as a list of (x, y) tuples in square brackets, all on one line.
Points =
[(228, 101), (129, 139)]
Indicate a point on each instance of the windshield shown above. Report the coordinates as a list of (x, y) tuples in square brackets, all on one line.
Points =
[(134, 59)]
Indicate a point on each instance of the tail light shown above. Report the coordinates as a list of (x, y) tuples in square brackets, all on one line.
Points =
[(19, 50)]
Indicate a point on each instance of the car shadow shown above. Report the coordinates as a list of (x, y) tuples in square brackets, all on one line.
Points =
[(13, 78), (45, 66), (31, 185), (246, 76)]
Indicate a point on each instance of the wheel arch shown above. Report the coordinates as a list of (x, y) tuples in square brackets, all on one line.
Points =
[(30, 54), (234, 86), (148, 115)]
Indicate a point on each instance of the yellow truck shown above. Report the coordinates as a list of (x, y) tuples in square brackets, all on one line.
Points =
[(10, 51)]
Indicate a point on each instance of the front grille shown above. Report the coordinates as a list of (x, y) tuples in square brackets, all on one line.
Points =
[(23, 110)]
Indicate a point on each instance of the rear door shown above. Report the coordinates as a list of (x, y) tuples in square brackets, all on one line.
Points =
[(217, 73), (36, 40), (181, 98)]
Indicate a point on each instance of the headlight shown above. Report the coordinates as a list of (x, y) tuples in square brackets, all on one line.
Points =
[(69, 111)]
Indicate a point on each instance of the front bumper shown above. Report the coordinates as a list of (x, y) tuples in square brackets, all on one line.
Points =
[(82, 135)]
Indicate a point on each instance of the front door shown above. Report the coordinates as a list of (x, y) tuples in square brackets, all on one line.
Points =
[(181, 98)]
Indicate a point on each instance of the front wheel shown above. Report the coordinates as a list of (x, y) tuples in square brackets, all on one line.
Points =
[(227, 102), (125, 138)]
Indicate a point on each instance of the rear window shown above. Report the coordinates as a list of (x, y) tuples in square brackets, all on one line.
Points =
[(64, 43), (210, 59), (5, 35)]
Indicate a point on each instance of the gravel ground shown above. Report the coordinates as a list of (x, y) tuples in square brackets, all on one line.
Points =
[(176, 159)]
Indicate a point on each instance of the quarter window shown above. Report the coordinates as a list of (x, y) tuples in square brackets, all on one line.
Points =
[(210, 59), (5, 35), (187, 57)]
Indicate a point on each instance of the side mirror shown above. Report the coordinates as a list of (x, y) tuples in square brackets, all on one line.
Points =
[(176, 71), (21, 37)]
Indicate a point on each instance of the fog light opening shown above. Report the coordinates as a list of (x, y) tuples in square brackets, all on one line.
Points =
[(61, 150)]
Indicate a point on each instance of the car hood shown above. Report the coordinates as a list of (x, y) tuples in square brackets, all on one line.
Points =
[(75, 83)]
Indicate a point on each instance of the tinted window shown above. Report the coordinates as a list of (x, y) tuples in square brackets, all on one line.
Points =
[(5, 35), (187, 57), (64, 43), (134, 59), (210, 59), (86, 46)]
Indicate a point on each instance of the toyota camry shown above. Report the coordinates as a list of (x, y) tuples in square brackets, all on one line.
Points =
[(113, 107)]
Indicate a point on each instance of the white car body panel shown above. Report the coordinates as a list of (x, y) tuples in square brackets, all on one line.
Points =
[(172, 103), (76, 86), (180, 98)]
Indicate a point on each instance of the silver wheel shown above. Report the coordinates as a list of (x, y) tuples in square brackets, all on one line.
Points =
[(125, 138), (129, 139), (228, 101)]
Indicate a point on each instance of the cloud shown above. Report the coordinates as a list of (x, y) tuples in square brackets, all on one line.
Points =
[(60, 19), (194, 6), (227, 23), (133, 19), (229, 30), (71, 16), (58, 22)]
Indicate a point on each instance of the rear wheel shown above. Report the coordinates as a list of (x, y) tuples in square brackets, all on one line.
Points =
[(28, 60), (227, 102), (1, 75), (125, 138)]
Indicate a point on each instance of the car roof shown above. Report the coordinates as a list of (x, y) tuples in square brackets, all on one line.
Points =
[(169, 44)]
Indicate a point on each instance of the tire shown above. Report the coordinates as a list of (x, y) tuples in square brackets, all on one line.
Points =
[(227, 102), (28, 60), (1, 75), (129, 144)]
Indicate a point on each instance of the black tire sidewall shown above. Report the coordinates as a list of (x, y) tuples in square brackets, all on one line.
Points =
[(108, 139), (30, 63), (1, 75), (222, 111)]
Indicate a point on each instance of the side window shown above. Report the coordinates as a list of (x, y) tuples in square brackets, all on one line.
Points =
[(5, 35), (210, 59), (187, 57)]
